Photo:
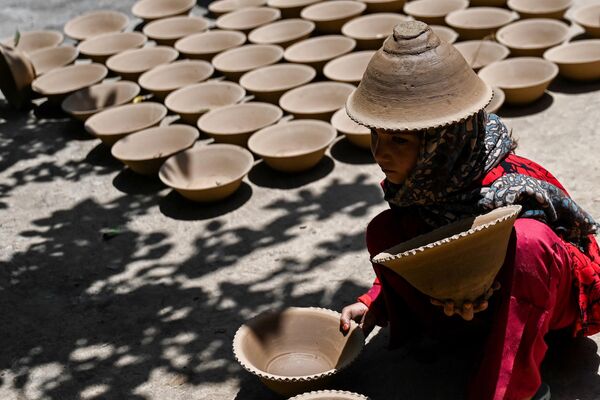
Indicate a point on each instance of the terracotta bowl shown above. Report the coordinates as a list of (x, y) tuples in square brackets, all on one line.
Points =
[(445, 33), (348, 68), (35, 40), (45, 60), (204, 46), (271, 82), (578, 60), (497, 101), (100, 48), (317, 51), (370, 31), (117, 122), (433, 12), (60, 82), (329, 395), (589, 18), (164, 79), (476, 23), (234, 63), (356, 134), (149, 10), (236, 123), (145, 151), (290, 8), (190, 102), (297, 349), (384, 6), (16, 75), (479, 53), (283, 33), (220, 7), (330, 16), (89, 101), (168, 30), (316, 100), (207, 173), (246, 19), (540, 8), (523, 79), (130, 64), (96, 23), (531, 37)]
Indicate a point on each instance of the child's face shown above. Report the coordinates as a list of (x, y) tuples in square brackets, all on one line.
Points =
[(395, 153)]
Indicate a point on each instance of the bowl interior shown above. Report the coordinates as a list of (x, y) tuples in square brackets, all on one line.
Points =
[(497, 100), (247, 57), (68, 79), (445, 33), (537, 6), (127, 118), (156, 142), (582, 51), (100, 96), (176, 75), (111, 43), (480, 17), (277, 77), (175, 27), (343, 123), (141, 59), (518, 72), (210, 42), (348, 68), (333, 10), (35, 40), (225, 6), (374, 26), (532, 33), (204, 96), (44, 60), (588, 15), (292, 138), (316, 97), (96, 23), (479, 53), (434, 8), (248, 18), (154, 9), (239, 118), (281, 31), (319, 48)]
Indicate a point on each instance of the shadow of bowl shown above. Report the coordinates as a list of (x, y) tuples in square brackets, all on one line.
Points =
[(536, 107), (344, 151), (262, 175), (129, 182), (562, 85)]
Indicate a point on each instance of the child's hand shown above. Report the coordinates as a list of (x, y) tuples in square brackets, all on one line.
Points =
[(358, 312), (468, 309)]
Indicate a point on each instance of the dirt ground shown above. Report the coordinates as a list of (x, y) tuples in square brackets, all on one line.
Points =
[(151, 312)]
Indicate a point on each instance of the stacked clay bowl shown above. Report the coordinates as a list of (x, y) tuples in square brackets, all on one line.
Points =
[(35, 40), (16, 75), (370, 31), (149, 10), (348, 68), (220, 7), (207, 173), (283, 33), (47, 59), (100, 48), (540, 9), (317, 51), (316, 100), (271, 82), (89, 101), (445, 33), (168, 30), (235, 62), (95, 23), (476, 23), (60, 82), (433, 12), (329, 395), (290, 8), (578, 60), (330, 16), (164, 79), (130, 64), (145, 151), (384, 6), (497, 100), (297, 349), (246, 19), (589, 18), (531, 37), (204, 46), (479, 53), (356, 134)]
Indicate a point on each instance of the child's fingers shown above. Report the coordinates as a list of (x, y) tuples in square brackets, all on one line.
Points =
[(467, 311), (436, 302), (482, 306), (449, 308)]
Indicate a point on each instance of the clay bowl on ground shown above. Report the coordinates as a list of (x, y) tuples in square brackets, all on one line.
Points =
[(117, 122), (476, 23), (316, 100), (236, 123), (130, 64), (145, 151), (540, 8), (317, 51), (385, 6), (168, 30), (220, 7), (578, 60), (589, 18), (348, 68), (497, 100), (330, 16), (329, 395), (433, 12), (100, 48), (479, 53), (89, 101), (370, 31), (96, 23), (246, 19), (190, 102), (149, 10), (523, 79), (236, 62), (290, 8), (16, 75), (356, 134), (271, 82), (45, 60), (445, 33), (164, 79), (60, 82), (283, 33), (531, 37), (296, 350), (35, 40), (204, 46)]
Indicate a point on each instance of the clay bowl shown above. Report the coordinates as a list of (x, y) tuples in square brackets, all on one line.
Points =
[(220, 7), (578, 60), (270, 83), (348, 68), (50, 58), (296, 349), (89, 101), (246, 19), (540, 8), (234, 63), (149, 10), (445, 33), (384, 6), (168, 30), (589, 18), (370, 31), (531, 37), (60, 82), (290, 8), (95, 23), (236, 123), (523, 79), (204, 46), (145, 151), (479, 53), (190, 102), (35, 40), (117, 122), (476, 23), (497, 101), (316, 100), (283, 33), (317, 51), (164, 79), (16, 75), (433, 12), (330, 16), (356, 134), (329, 395), (100, 48), (130, 64)]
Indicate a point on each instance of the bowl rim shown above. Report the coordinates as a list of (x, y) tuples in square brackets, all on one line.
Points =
[(308, 27), (519, 60), (102, 71), (361, 18), (134, 86), (290, 4), (142, 80), (311, 41), (519, 7), (311, 72), (176, 18), (213, 9), (334, 117), (185, 130), (72, 53), (510, 14), (136, 51), (277, 110), (275, 14), (312, 85), (309, 395), (277, 52), (360, 8), (576, 16), (143, 14), (76, 34), (501, 95), (533, 21), (341, 59), (157, 106), (462, 3), (548, 53), (169, 99), (91, 52), (446, 29), (241, 36)]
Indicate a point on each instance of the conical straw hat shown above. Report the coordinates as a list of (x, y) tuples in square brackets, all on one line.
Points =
[(416, 81)]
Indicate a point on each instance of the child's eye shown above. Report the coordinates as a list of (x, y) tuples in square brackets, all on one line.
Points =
[(399, 140)]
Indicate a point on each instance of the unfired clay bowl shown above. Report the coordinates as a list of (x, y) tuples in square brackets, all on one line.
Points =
[(329, 395), (316, 100), (149, 10), (317, 51), (60, 82), (204, 46), (45, 60), (89, 101), (271, 82), (16, 75), (531, 37), (523, 79), (130, 64), (35, 40), (95, 23), (168, 30), (246, 19), (348, 68), (385, 6), (445, 33), (207, 173), (297, 349), (221, 7), (283, 33), (370, 31), (164, 79), (100, 48), (330, 16), (540, 8), (433, 12), (476, 23), (479, 53), (497, 100), (290, 8), (235, 62), (145, 151), (356, 134), (589, 18), (578, 60)]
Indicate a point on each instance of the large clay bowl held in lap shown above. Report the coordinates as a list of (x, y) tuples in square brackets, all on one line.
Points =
[(348, 68), (164, 79), (45, 60), (283, 33), (271, 82), (16, 75), (290, 8), (204, 46), (384, 6), (589, 18), (207, 173), (456, 262), (523, 79), (246, 19), (356, 134), (317, 51), (444, 33), (100, 48), (478, 22), (167, 31), (540, 8), (370, 31), (234, 63), (117, 122), (86, 102), (60, 82), (329, 395), (330, 16), (479, 53), (149, 10), (497, 100), (146, 151), (433, 12), (316, 100), (35, 40), (578, 60), (531, 37), (297, 349), (221, 7), (95, 23), (130, 64)]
